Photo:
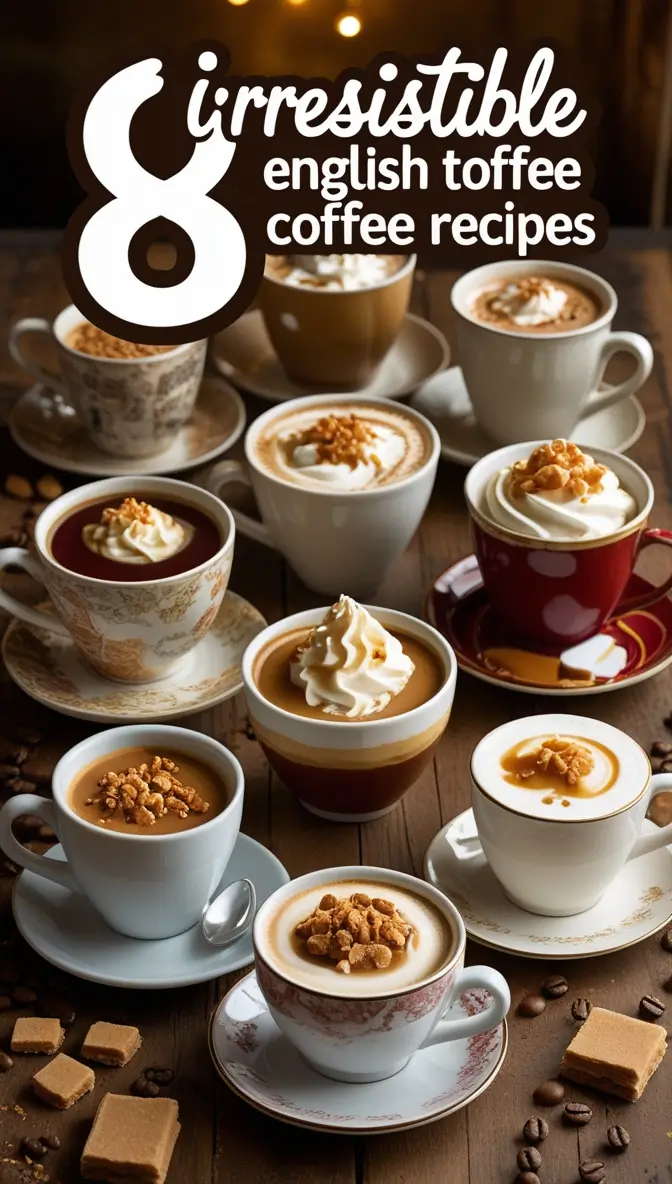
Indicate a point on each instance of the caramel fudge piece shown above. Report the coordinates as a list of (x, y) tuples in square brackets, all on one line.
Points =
[(131, 1139), (33, 1034), (111, 1044), (614, 1053), (63, 1082)]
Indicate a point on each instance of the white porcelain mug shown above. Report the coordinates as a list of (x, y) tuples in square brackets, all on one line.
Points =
[(335, 541), (145, 886), (525, 385), (359, 1039), (556, 860)]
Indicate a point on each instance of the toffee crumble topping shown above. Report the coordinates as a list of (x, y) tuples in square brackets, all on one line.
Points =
[(562, 758), (339, 439), (146, 793), (355, 932), (560, 465), (129, 508)]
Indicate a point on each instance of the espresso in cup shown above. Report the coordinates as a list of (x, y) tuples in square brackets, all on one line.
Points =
[(349, 705), (559, 803), (536, 304)]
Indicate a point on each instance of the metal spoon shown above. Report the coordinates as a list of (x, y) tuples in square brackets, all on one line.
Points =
[(229, 916)]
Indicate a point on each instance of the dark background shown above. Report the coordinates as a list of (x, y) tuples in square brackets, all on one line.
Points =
[(50, 48)]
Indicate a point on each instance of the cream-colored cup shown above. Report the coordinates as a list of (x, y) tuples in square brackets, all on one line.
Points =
[(129, 406), (135, 631), (527, 385), (335, 338)]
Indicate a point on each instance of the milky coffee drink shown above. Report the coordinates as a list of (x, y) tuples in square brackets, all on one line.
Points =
[(342, 447), (333, 273), (535, 304)]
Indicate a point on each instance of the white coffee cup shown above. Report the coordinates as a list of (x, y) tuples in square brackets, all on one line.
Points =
[(358, 1039), (333, 540), (557, 860), (145, 886), (129, 406), (525, 385)]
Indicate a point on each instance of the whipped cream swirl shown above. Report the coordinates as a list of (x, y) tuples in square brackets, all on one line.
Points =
[(376, 457), (350, 665), (333, 272), (136, 532), (530, 301)]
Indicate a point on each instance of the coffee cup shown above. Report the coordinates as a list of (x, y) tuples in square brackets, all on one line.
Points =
[(532, 383), (334, 535), (556, 592), (356, 1028), (556, 847), (351, 770), (334, 336), (130, 628), (130, 406), (144, 885)]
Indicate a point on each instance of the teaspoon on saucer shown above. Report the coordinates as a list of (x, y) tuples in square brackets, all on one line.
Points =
[(229, 916)]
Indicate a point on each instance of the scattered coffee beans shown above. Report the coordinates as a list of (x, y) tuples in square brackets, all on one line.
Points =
[(6, 1062), (160, 1074), (529, 1159), (34, 1148), (527, 1178), (549, 1093), (27, 735), (143, 1088), (592, 1171), (618, 1138), (577, 1114), (535, 1130), (661, 748), (666, 941), (24, 995), (651, 1008), (667, 985), (556, 985), (7, 772), (17, 755), (57, 1008), (531, 1006), (581, 1009)]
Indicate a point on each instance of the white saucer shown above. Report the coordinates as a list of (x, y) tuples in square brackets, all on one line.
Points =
[(60, 442), (257, 1063), (638, 903), (445, 401), (51, 669), (64, 928), (243, 353)]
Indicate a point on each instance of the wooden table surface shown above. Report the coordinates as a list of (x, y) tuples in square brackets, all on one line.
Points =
[(223, 1141)]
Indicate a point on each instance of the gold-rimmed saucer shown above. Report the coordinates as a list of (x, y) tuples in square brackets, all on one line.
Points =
[(637, 905), (51, 670)]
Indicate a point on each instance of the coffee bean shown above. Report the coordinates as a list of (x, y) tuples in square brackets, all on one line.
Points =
[(6, 1062), (144, 1088), (665, 766), (592, 1171), (22, 994), (668, 721), (529, 1159), (555, 986), (24, 734), (661, 748), (651, 1008), (18, 755), (160, 1074), (618, 1138), (667, 985), (14, 538), (549, 1093), (666, 941), (5, 1003), (527, 1178), (34, 1148), (577, 1114), (7, 772), (57, 1008), (581, 1009), (18, 785), (535, 1130), (530, 1006)]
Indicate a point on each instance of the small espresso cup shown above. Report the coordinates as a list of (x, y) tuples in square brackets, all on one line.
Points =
[(556, 592), (557, 861), (136, 631), (335, 338), (333, 540), (129, 406), (145, 886), (526, 384), (359, 1039)]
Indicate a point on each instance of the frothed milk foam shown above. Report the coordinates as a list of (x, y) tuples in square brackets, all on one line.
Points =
[(429, 950)]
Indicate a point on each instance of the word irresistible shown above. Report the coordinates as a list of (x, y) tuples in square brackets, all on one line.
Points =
[(440, 155)]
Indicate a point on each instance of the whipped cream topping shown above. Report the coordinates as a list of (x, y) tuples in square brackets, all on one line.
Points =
[(530, 301), (344, 452), (350, 665), (559, 493), (136, 532), (346, 272)]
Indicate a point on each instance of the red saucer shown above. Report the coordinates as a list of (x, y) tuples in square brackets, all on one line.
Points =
[(458, 606)]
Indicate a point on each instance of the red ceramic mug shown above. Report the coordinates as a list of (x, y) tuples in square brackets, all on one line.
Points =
[(558, 592)]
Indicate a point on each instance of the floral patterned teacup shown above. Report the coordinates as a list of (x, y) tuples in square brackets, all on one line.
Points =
[(357, 1038), (129, 406), (132, 632)]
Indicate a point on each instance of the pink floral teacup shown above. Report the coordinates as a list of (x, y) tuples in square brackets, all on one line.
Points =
[(366, 1025)]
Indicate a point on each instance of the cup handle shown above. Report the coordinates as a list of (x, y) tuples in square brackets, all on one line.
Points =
[(645, 844), (19, 330), (629, 343), (229, 472), (19, 557), (483, 1021), (50, 869), (651, 536)]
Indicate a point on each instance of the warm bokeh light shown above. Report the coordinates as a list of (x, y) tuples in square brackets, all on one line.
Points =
[(348, 25), (296, 3), (238, 3)]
